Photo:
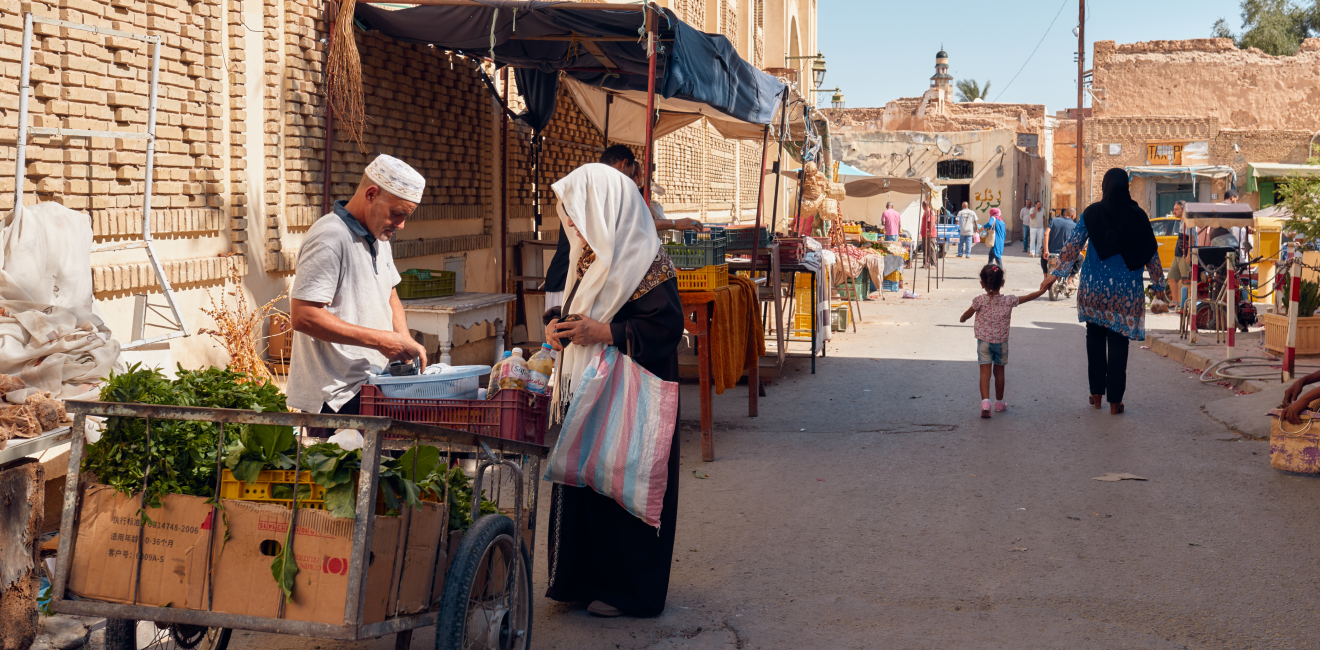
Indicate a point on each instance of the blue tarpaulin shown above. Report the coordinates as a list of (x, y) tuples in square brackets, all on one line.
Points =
[(552, 37)]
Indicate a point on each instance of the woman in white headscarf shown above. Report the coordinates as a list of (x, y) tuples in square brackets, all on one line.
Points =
[(625, 290)]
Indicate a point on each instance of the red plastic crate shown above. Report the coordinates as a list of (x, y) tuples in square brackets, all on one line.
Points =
[(513, 414)]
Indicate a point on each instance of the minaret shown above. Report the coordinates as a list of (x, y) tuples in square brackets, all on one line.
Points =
[(942, 78)]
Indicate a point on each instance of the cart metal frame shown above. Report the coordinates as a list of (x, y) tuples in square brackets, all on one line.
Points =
[(374, 430)]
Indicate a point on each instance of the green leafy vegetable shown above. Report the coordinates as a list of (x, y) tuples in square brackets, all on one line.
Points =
[(284, 568), (182, 455)]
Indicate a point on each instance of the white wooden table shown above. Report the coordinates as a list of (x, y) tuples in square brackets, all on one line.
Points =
[(439, 316)]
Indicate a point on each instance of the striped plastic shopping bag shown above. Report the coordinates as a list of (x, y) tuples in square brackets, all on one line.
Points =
[(617, 433)]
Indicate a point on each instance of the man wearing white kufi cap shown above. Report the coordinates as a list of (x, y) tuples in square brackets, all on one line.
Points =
[(347, 319)]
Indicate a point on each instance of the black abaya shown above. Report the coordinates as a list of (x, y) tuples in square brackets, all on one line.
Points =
[(598, 550)]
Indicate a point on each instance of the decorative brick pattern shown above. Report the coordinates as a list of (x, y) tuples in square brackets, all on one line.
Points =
[(139, 278), (84, 80), (127, 222), (441, 245)]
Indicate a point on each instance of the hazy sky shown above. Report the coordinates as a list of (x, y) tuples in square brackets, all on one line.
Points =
[(879, 51)]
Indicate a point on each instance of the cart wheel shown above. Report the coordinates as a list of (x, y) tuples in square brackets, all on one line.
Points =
[(1055, 290), (146, 635), (487, 601)]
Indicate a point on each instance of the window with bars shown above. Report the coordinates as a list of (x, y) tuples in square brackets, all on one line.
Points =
[(953, 169)]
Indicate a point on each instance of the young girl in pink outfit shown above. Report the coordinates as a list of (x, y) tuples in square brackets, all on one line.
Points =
[(993, 311)]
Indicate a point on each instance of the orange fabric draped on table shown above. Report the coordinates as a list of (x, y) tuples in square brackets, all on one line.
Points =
[(736, 337)]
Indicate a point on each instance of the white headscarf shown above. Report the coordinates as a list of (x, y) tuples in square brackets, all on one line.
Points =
[(606, 208)]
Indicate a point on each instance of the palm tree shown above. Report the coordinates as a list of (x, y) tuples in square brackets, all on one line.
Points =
[(970, 91)]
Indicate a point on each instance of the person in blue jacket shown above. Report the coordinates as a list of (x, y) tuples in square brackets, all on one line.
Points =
[(995, 227)]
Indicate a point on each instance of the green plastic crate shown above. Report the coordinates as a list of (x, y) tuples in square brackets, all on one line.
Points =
[(426, 283), (857, 289), (703, 253)]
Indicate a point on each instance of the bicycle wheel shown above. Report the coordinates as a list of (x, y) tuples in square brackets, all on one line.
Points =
[(487, 600), (146, 635)]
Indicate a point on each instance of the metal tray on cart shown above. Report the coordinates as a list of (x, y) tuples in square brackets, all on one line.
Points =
[(466, 615)]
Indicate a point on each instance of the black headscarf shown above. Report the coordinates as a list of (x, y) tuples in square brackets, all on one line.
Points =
[(1117, 225)]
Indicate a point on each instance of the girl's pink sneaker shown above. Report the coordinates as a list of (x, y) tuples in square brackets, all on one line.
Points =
[(985, 408), (1001, 407)]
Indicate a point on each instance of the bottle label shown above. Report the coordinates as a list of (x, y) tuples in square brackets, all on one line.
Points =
[(538, 383)]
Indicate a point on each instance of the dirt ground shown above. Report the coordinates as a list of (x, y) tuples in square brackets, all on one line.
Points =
[(870, 507)]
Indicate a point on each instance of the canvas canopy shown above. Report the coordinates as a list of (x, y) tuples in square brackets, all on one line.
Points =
[(601, 50), (1221, 215), (1277, 170), (877, 185), (1167, 171)]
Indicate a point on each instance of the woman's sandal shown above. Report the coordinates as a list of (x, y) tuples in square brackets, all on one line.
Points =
[(1095, 400), (1115, 409)]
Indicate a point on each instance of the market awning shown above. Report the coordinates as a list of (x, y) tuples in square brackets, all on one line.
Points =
[(1211, 215), (848, 170), (1277, 170), (1171, 171), (877, 185), (696, 73)]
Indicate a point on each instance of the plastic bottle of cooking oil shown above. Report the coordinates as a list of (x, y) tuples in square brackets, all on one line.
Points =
[(514, 372), (541, 366), (493, 386)]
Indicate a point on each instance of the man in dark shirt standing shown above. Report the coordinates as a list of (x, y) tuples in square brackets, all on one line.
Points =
[(621, 158), (1057, 232)]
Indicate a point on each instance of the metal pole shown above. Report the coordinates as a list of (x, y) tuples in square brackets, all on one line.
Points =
[(504, 183), (20, 171), (1230, 301), (754, 374), (1081, 70), (774, 206), (147, 182), (650, 99), (1193, 336), (1294, 297), (609, 99)]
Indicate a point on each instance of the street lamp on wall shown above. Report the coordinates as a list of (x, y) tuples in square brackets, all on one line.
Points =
[(837, 100), (817, 67)]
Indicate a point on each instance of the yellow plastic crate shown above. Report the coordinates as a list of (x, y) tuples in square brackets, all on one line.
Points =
[(852, 228), (802, 324), (706, 278), (895, 276), (271, 484)]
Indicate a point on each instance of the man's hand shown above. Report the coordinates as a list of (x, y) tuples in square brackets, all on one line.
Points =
[(1293, 413), (687, 224), (400, 347), (1294, 391)]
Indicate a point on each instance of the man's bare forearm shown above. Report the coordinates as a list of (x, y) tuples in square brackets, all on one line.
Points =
[(317, 322), (400, 319)]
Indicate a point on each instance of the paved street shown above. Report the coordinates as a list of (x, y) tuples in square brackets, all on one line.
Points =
[(870, 507)]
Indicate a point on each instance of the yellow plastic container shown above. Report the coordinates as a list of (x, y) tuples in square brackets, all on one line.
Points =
[(274, 483), (706, 278)]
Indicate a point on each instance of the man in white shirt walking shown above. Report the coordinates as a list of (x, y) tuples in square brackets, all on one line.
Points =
[(966, 227), (1024, 217), (1038, 225)]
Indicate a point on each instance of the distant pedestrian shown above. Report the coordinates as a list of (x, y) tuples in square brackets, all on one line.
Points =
[(1112, 299), (966, 229), (928, 233), (892, 221), (1038, 226), (1057, 233), (993, 311), (994, 237), (1180, 270), (1024, 217)]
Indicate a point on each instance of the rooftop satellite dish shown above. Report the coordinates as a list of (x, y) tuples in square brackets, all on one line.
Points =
[(958, 150), (942, 143), (911, 150), (999, 150), (912, 173)]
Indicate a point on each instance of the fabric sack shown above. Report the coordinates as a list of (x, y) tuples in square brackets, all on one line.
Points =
[(990, 238), (617, 434)]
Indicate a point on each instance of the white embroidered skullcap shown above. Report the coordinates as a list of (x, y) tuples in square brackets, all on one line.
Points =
[(397, 178)]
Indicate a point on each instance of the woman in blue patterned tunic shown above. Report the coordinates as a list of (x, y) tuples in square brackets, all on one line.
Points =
[(1111, 298)]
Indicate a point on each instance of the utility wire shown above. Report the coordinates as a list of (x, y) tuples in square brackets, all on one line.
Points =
[(1033, 52)]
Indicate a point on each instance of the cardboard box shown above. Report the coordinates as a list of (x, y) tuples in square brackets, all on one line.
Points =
[(173, 550), (415, 567), (322, 546)]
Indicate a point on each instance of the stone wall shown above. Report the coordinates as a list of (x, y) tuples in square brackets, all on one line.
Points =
[(921, 114), (1243, 89)]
